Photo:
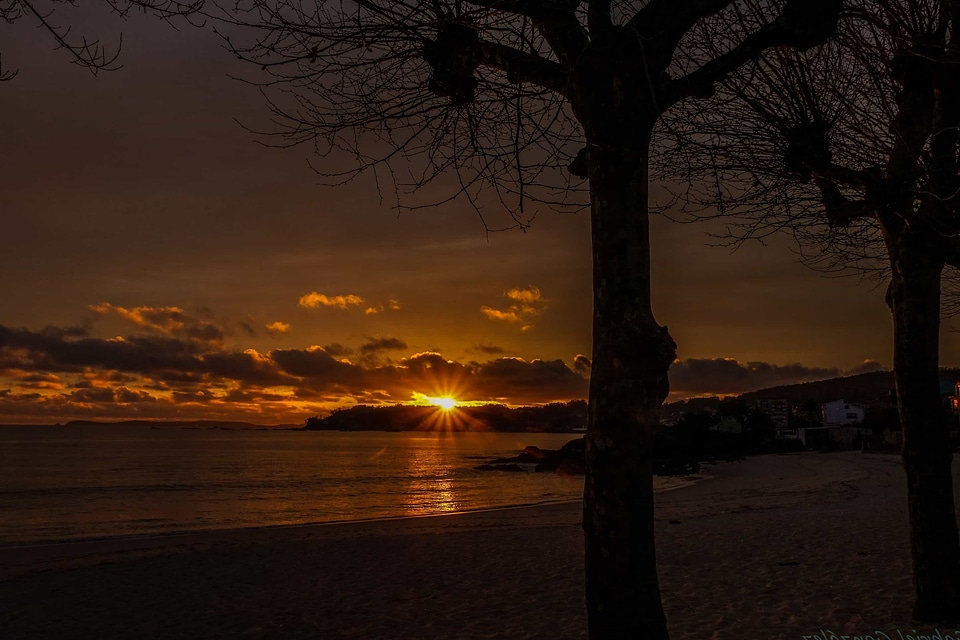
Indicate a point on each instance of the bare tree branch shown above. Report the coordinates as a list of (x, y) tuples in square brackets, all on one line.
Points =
[(89, 54)]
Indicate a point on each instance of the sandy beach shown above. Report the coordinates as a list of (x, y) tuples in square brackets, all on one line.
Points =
[(773, 547)]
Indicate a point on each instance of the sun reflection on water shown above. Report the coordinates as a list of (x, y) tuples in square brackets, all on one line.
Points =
[(430, 488)]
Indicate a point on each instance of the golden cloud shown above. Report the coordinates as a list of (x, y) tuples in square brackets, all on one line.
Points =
[(163, 319), (392, 305), (502, 316), (277, 327), (169, 321), (314, 300), (528, 304), (527, 296)]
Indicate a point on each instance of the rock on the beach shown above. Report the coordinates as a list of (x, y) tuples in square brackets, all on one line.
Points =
[(500, 467), (568, 459)]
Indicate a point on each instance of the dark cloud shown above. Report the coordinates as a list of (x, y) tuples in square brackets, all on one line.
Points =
[(55, 350), (120, 395), (372, 352), (168, 321), (39, 381), (313, 363), (489, 349), (581, 364), (102, 377), (374, 397), (168, 358), (205, 332), (375, 345), (176, 378), (337, 349), (548, 380), (247, 327), (39, 377), (249, 396), (40, 385), (729, 376), (246, 366), (25, 338)]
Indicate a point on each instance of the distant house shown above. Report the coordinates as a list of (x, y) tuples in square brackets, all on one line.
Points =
[(950, 396), (778, 410), (840, 413), (840, 428), (729, 425)]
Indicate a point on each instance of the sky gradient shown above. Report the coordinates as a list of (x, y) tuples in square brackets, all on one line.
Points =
[(161, 262)]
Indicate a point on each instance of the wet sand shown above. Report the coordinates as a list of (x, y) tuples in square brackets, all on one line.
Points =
[(771, 547)]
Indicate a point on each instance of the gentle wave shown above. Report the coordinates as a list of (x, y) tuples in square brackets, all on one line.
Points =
[(99, 482)]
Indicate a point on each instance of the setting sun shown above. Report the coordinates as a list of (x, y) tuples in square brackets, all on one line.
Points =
[(444, 403)]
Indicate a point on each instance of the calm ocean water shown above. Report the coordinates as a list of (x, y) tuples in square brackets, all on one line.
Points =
[(59, 483)]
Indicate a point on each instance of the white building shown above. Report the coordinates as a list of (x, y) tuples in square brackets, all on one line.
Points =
[(839, 413), (841, 426)]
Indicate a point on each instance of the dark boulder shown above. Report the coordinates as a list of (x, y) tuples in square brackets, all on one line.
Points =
[(513, 468)]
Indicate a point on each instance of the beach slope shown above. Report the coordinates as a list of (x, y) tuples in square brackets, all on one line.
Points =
[(774, 547)]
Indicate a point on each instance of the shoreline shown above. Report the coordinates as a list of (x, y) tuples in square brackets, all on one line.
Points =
[(773, 546), (671, 483), (29, 544), (18, 559)]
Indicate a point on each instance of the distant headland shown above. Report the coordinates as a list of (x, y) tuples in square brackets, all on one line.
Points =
[(225, 425)]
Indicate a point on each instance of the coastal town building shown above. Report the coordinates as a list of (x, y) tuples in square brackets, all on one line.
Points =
[(778, 410), (950, 395), (840, 413), (841, 427)]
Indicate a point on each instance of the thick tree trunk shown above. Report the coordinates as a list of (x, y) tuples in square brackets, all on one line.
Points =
[(914, 298), (628, 383)]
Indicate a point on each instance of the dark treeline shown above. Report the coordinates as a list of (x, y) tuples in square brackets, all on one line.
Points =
[(557, 417)]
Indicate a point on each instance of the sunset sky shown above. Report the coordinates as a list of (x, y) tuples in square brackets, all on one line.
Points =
[(159, 263)]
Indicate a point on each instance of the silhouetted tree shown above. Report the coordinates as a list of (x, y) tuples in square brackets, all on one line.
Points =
[(854, 149), (504, 94), (758, 427), (693, 426), (734, 407), (881, 419)]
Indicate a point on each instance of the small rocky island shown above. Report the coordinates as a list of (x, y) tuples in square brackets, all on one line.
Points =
[(570, 459)]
